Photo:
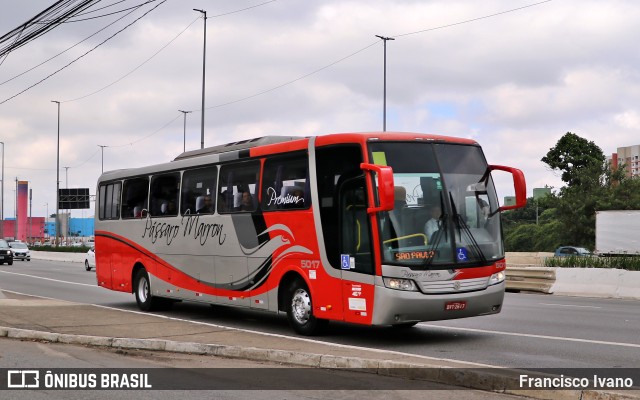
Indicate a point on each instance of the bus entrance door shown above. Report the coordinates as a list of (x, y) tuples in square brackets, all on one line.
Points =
[(356, 259)]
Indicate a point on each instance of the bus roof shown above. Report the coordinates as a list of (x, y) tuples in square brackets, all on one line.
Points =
[(268, 140), (234, 146), (276, 144)]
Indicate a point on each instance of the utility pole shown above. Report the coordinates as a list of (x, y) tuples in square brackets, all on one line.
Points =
[(384, 95), (204, 59), (184, 133), (102, 146), (57, 176)]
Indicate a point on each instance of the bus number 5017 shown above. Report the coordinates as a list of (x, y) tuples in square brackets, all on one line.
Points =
[(312, 264)]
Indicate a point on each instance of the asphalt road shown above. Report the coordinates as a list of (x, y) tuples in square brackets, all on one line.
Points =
[(533, 331)]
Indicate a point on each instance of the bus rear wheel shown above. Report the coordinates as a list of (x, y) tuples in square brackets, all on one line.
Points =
[(146, 301), (300, 310)]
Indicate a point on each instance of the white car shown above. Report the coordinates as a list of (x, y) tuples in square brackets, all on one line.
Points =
[(20, 251), (90, 259)]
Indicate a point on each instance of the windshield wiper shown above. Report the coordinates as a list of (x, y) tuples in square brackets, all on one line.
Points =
[(463, 227)]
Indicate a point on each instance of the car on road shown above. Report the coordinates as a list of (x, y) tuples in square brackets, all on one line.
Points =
[(90, 259), (566, 251), (20, 251), (6, 255)]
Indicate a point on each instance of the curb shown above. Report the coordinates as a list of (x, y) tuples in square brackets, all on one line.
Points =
[(493, 381)]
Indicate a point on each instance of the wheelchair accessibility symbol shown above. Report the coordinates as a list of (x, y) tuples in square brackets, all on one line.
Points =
[(345, 261), (462, 254)]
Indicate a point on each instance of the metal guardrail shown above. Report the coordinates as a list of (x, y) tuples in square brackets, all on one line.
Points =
[(530, 277)]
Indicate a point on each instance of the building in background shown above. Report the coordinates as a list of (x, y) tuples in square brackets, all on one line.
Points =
[(35, 229), (40, 229), (629, 157), (71, 229)]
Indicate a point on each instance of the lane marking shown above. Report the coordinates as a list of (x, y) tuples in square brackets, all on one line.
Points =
[(530, 335), (276, 335), (51, 279), (569, 305)]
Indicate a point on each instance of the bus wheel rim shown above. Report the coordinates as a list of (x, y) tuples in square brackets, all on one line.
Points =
[(143, 289), (301, 306)]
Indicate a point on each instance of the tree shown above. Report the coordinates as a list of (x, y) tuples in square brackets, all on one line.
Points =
[(572, 155), (569, 215)]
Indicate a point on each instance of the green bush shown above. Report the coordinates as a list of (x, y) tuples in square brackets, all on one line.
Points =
[(61, 249), (630, 263)]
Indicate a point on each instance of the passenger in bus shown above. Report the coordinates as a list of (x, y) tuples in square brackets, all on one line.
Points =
[(433, 224), (222, 202), (485, 210), (203, 205), (246, 203), (168, 208)]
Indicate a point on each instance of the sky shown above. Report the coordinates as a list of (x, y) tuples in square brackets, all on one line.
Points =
[(514, 75)]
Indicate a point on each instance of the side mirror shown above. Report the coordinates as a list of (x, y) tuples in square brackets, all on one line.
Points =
[(519, 185), (385, 187)]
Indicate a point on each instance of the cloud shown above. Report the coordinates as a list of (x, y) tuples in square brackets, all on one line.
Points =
[(514, 82)]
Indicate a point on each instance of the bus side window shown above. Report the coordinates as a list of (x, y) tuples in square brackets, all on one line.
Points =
[(109, 200), (237, 191), (164, 194), (285, 184), (135, 198), (197, 184)]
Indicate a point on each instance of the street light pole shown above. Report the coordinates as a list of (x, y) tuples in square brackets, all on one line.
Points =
[(102, 146), (184, 134), (204, 59), (57, 175), (384, 95)]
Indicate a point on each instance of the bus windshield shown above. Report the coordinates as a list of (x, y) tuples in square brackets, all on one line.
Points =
[(445, 210)]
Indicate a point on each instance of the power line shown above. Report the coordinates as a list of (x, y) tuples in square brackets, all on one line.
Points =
[(293, 80), (158, 52), (135, 69), (112, 13), (34, 28), (78, 58), (472, 20), (67, 49), (242, 9)]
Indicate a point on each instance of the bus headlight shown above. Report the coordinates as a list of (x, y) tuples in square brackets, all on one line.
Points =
[(400, 284), (496, 278)]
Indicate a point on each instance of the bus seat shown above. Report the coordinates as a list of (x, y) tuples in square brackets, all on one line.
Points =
[(199, 203), (137, 211), (237, 200), (163, 207)]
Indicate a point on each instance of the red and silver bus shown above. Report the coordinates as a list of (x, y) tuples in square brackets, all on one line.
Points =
[(368, 228)]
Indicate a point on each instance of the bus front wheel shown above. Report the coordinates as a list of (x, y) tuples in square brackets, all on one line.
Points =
[(300, 310), (146, 301)]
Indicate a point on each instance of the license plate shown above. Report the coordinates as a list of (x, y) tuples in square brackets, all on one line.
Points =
[(455, 305)]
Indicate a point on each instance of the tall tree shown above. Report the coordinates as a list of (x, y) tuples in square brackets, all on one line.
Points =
[(568, 216), (577, 159)]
